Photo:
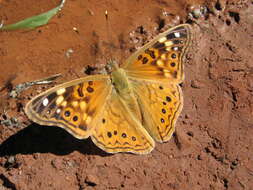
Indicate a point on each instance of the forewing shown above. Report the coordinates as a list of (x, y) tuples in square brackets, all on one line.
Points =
[(73, 106), (162, 58)]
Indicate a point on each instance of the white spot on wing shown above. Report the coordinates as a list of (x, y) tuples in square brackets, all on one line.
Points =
[(83, 105), (162, 39), (163, 56), (64, 104), (159, 62), (85, 116), (58, 110), (88, 120), (175, 48), (61, 91), (177, 34), (74, 103), (45, 102), (168, 43), (59, 100)]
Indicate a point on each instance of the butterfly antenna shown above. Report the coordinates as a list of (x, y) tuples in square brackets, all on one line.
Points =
[(109, 36)]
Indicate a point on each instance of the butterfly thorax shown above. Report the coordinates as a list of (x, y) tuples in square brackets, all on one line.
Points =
[(119, 78), (120, 82)]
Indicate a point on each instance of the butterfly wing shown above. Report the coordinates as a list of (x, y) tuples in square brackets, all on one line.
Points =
[(155, 72), (162, 58), (160, 105), (120, 131), (73, 106), (90, 106)]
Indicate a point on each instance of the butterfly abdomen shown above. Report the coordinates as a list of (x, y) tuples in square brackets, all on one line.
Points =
[(124, 89)]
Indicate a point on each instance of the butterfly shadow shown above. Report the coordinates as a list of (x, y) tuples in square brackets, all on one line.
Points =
[(46, 139)]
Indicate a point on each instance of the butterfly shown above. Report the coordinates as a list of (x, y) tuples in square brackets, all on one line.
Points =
[(127, 109)]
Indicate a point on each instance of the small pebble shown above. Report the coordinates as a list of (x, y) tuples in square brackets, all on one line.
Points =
[(91, 180)]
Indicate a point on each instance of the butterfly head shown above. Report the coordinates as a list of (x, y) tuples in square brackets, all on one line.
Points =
[(112, 65)]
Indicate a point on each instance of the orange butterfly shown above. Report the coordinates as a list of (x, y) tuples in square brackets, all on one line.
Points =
[(130, 107)]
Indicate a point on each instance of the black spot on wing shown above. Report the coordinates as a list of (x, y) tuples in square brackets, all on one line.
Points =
[(38, 102), (183, 35), (52, 106), (150, 53), (80, 90), (51, 97), (170, 36), (177, 42), (144, 60), (83, 127), (109, 134), (75, 118), (159, 45), (90, 89), (67, 113)]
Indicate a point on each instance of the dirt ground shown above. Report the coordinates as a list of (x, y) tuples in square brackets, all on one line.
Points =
[(212, 148)]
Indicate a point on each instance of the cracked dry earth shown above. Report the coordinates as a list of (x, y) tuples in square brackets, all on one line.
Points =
[(212, 148)]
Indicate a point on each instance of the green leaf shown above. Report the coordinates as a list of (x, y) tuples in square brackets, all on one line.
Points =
[(34, 21)]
